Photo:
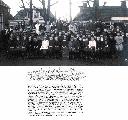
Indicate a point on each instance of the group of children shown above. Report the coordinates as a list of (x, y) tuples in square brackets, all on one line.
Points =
[(59, 43)]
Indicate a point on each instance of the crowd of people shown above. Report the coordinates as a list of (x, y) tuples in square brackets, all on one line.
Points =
[(62, 39)]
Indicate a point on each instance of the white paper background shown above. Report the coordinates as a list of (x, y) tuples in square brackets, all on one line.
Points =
[(106, 93)]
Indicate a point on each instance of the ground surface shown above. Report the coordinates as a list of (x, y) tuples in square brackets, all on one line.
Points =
[(56, 62)]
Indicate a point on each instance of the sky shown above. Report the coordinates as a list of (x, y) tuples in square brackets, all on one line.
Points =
[(61, 8)]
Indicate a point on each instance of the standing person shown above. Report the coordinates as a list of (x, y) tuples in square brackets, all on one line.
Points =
[(73, 28), (57, 48), (53, 27), (81, 47), (119, 45), (1, 42), (59, 25), (35, 52), (112, 45), (119, 42), (45, 46), (68, 36), (65, 43), (106, 47), (88, 51), (98, 32), (77, 47), (126, 47), (101, 46), (65, 47), (98, 48), (32, 46), (4, 40), (85, 47), (37, 26), (39, 44), (21, 37), (48, 27), (29, 46), (71, 48), (60, 37), (92, 47), (105, 32), (42, 29), (7, 40), (51, 47)]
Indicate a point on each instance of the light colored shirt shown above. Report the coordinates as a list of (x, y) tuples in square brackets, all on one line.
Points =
[(45, 45), (92, 44), (72, 28), (119, 40), (37, 28)]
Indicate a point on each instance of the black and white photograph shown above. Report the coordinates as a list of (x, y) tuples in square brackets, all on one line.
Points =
[(63, 59), (63, 33)]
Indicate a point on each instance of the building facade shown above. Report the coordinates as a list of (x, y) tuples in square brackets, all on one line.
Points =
[(101, 12), (23, 17), (4, 15)]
